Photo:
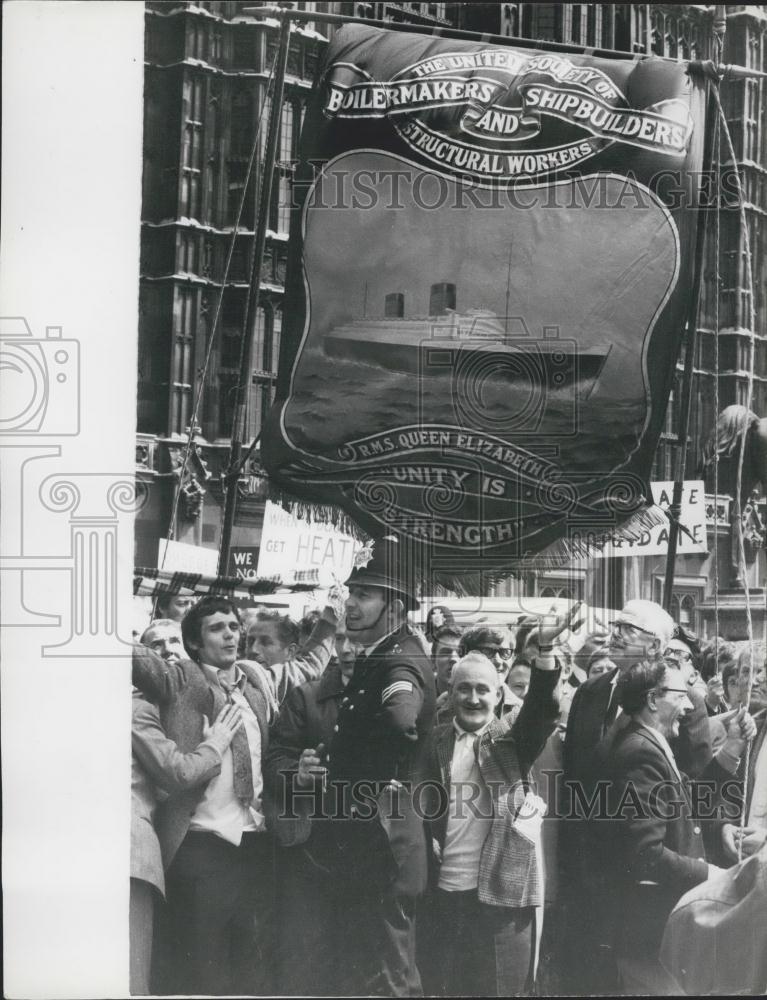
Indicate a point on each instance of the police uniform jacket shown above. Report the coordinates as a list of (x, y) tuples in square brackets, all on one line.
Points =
[(384, 724)]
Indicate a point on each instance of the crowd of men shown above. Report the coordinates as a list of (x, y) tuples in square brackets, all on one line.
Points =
[(349, 806)]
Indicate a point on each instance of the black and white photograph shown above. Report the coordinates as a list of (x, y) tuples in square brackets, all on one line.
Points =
[(383, 429)]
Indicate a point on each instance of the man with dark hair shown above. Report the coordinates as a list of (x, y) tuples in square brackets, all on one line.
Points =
[(174, 606), (215, 845), (438, 617), (716, 655), (445, 655), (496, 643), (655, 846)]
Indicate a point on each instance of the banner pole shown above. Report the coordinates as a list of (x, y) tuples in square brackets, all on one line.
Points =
[(259, 242), (690, 342)]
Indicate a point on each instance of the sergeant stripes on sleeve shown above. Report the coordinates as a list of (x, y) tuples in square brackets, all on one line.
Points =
[(395, 688)]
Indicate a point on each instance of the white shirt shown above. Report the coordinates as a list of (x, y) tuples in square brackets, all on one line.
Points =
[(469, 818), (664, 745), (613, 685), (367, 650), (220, 811)]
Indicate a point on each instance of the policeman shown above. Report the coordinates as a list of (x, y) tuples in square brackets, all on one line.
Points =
[(376, 758)]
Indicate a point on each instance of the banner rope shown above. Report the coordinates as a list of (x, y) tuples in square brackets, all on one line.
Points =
[(203, 372), (744, 433), (717, 292)]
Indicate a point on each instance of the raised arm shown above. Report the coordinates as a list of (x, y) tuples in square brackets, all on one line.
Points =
[(153, 676)]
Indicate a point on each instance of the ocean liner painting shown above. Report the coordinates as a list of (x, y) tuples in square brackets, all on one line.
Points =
[(446, 339)]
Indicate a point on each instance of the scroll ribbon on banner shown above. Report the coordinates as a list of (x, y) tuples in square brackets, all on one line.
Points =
[(490, 264)]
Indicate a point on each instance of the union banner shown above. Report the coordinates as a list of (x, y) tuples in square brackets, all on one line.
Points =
[(490, 267)]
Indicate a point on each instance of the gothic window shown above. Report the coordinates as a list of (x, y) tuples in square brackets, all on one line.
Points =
[(573, 15), (200, 41), (683, 609), (593, 36), (242, 123), (216, 46), (191, 149), (570, 591), (605, 30), (276, 335), (284, 167), (623, 27), (185, 322), (243, 49)]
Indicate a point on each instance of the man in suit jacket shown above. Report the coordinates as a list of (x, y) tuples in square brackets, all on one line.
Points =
[(216, 849), (308, 900), (487, 840), (158, 767), (653, 839), (641, 630)]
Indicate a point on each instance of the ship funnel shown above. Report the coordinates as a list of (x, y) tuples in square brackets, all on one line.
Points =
[(442, 298), (394, 305)]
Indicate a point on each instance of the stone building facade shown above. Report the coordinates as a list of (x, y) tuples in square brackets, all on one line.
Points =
[(207, 68)]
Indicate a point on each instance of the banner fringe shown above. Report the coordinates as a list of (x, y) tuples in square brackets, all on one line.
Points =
[(559, 554), (316, 513)]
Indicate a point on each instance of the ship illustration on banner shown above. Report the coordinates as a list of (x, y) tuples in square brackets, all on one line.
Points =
[(486, 292), (445, 339)]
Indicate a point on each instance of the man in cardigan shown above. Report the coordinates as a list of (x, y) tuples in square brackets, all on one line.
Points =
[(216, 848), (487, 841)]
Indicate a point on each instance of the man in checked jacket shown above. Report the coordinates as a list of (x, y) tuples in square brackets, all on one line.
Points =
[(482, 933)]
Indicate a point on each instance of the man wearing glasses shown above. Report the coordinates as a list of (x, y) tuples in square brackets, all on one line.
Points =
[(653, 839), (641, 631)]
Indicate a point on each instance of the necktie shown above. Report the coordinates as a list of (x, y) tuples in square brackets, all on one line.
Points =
[(243, 769)]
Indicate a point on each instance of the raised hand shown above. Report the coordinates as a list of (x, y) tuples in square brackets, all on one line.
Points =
[(552, 625), (336, 600), (740, 729), (310, 766), (228, 721), (714, 691)]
